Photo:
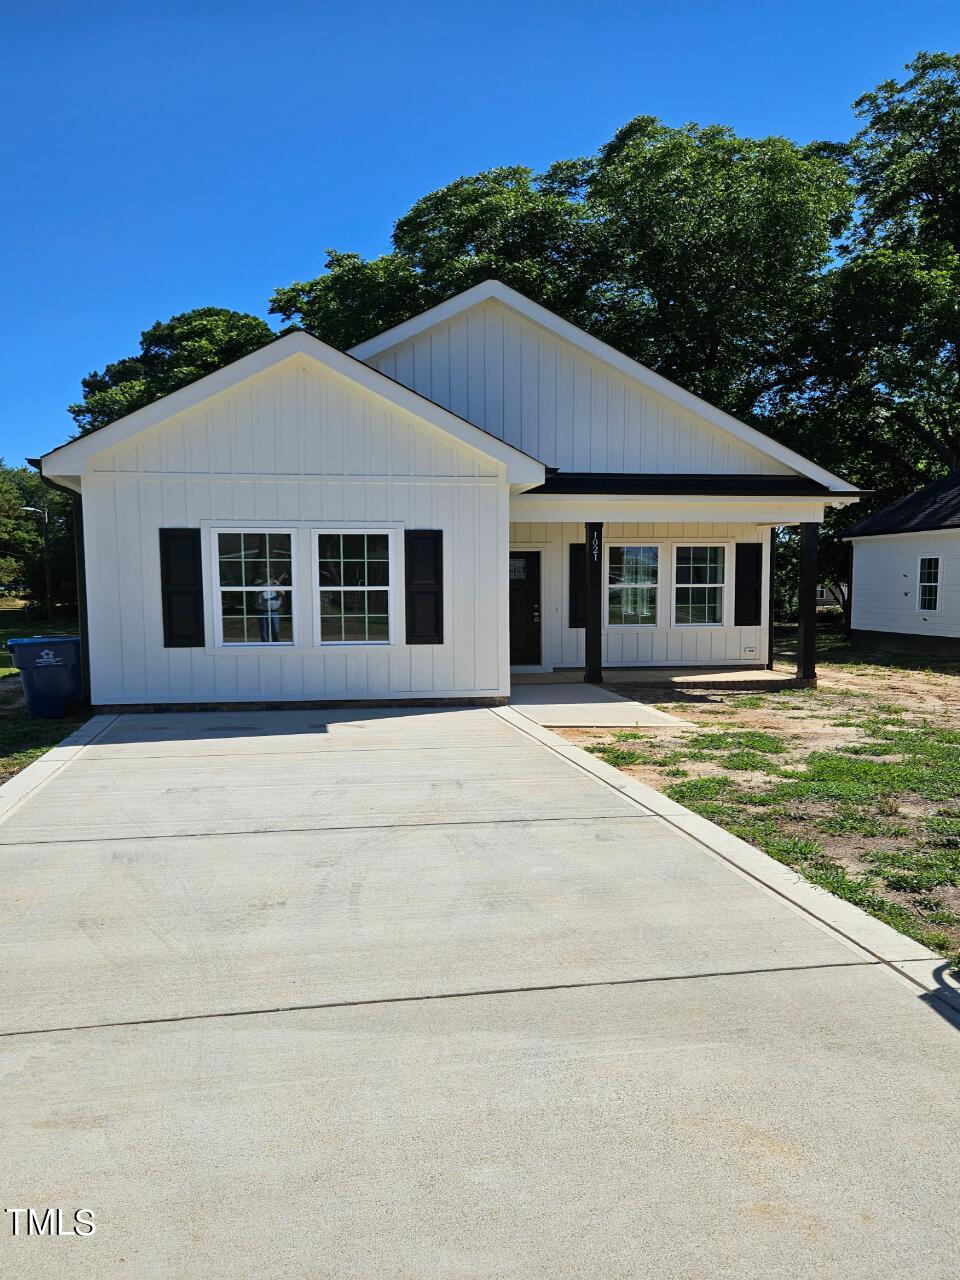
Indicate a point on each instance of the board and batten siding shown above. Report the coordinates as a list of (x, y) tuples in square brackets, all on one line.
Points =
[(540, 394), (293, 448), (885, 574), (663, 645)]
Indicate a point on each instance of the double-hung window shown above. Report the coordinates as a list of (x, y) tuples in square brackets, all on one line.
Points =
[(632, 586), (699, 583), (353, 581), (928, 588), (255, 576)]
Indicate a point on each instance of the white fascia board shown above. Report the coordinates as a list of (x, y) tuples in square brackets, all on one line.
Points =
[(563, 329), (71, 458)]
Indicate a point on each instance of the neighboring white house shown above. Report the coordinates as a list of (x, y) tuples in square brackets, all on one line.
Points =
[(906, 573), (420, 516)]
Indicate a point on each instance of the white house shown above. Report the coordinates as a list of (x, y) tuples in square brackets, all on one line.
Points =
[(906, 573), (483, 489)]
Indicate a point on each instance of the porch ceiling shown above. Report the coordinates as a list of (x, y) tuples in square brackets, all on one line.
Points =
[(578, 496)]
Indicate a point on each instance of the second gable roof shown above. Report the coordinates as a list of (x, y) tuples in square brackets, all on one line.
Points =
[(376, 349)]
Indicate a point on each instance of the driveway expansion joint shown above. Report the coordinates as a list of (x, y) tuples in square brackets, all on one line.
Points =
[(425, 997)]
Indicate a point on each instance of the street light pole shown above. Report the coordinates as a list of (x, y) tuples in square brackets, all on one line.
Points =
[(44, 513)]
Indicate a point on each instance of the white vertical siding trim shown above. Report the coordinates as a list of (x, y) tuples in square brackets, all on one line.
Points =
[(511, 377), (663, 645)]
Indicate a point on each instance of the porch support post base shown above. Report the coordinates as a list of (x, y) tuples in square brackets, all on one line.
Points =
[(593, 635), (807, 630)]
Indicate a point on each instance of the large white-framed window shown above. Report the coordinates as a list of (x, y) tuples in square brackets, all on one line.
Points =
[(354, 586), (700, 577), (632, 575), (255, 574), (928, 584)]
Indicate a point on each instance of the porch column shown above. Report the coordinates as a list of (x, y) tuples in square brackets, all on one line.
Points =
[(807, 598), (771, 597), (593, 634)]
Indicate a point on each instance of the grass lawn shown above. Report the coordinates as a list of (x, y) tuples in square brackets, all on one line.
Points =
[(23, 740), (855, 784)]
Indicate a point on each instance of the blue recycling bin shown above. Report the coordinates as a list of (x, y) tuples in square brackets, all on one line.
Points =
[(49, 672)]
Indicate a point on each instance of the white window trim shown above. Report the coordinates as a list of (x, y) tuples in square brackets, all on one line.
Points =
[(392, 593), (632, 626), (938, 584), (728, 572), (243, 646)]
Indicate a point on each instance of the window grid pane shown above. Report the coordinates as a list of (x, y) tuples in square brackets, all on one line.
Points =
[(699, 606), (929, 570), (353, 577), (632, 607), (632, 577), (698, 587), (700, 565), (256, 596)]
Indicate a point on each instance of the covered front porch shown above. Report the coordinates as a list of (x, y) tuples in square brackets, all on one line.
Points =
[(664, 583)]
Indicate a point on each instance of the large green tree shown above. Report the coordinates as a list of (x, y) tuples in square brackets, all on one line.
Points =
[(882, 397), (698, 252), (172, 353), (37, 560)]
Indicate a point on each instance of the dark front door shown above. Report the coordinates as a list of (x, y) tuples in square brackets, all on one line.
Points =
[(525, 608)]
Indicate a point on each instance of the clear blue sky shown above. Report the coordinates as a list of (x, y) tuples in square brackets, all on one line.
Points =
[(157, 158)]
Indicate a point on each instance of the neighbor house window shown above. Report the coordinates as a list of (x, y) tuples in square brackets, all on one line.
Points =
[(928, 592), (255, 573), (632, 586), (699, 585), (353, 581)]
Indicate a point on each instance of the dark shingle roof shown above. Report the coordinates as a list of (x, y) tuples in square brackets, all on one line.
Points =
[(768, 486), (935, 506)]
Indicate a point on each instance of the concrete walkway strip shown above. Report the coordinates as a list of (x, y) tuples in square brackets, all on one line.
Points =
[(35, 775), (566, 705), (912, 961)]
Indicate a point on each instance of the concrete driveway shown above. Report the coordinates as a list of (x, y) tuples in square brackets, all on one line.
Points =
[(410, 994)]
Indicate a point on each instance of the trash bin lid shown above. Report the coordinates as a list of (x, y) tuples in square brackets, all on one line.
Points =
[(47, 640)]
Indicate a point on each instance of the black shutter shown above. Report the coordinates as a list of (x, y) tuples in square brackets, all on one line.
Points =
[(423, 566), (181, 586), (746, 597), (578, 584)]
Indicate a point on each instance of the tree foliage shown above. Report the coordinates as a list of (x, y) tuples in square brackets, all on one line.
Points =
[(882, 396), (27, 506), (811, 290), (172, 353), (694, 251)]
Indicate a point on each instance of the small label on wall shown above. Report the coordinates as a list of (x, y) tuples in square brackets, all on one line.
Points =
[(750, 649)]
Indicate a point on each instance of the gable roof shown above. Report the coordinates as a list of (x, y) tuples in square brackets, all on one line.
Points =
[(68, 459), (935, 506), (497, 291)]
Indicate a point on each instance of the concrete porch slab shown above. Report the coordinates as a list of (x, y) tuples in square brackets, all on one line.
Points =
[(563, 704), (726, 679)]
